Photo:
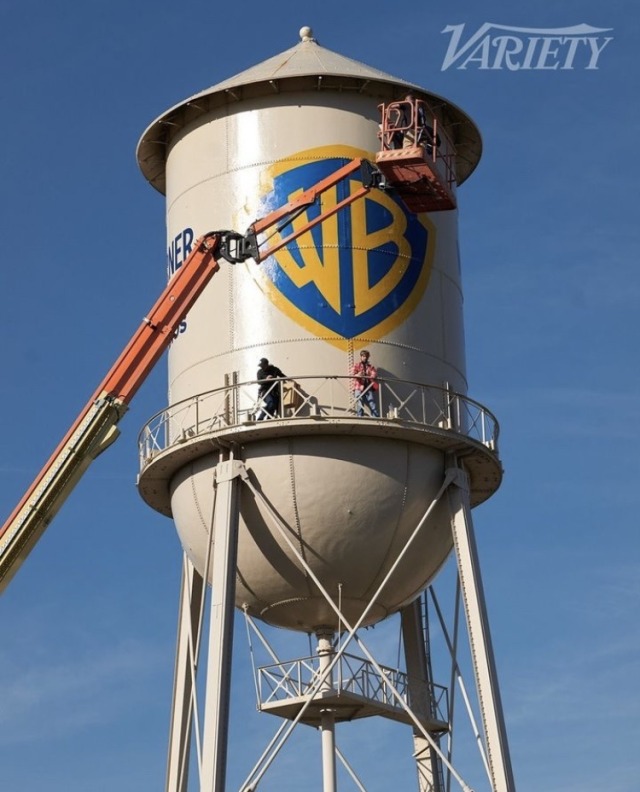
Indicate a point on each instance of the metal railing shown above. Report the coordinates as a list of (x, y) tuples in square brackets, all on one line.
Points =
[(295, 678), (413, 122), (316, 397)]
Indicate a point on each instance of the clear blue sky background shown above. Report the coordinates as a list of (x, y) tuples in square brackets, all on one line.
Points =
[(549, 242)]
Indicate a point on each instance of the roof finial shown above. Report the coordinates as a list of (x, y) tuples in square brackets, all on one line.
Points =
[(306, 34)]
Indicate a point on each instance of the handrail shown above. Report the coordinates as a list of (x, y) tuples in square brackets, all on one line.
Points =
[(408, 121), (311, 397), (294, 679)]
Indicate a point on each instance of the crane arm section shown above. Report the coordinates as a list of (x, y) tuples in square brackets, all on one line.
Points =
[(96, 426)]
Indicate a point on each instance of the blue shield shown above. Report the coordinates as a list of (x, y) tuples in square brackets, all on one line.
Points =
[(359, 273)]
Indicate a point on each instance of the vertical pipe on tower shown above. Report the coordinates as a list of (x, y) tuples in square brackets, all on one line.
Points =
[(327, 716)]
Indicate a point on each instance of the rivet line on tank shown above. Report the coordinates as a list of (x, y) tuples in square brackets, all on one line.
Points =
[(232, 312), (278, 342), (350, 247), (262, 163), (196, 500), (294, 500)]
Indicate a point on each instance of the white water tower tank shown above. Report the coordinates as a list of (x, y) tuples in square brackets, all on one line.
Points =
[(350, 490)]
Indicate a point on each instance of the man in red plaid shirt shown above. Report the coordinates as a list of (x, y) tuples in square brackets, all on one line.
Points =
[(365, 385)]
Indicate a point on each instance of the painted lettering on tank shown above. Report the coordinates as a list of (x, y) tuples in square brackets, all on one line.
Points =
[(178, 249), (180, 329), (362, 271)]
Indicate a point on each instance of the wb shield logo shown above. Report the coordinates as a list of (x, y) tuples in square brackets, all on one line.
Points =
[(360, 272)]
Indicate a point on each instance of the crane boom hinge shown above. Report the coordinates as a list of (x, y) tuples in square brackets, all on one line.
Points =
[(236, 248), (371, 176)]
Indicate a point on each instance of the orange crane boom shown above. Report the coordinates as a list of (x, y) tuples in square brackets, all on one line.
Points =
[(96, 426)]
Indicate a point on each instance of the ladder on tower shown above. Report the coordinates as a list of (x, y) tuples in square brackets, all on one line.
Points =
[(439, 782)]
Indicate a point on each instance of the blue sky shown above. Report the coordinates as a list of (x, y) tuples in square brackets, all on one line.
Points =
[(549, 243)]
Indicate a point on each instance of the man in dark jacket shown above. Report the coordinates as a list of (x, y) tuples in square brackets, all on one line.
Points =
[(268, 392)]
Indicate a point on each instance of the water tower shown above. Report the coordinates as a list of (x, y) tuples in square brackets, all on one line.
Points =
[(317, 519)]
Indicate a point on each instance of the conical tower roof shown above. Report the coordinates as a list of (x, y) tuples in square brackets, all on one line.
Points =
[(302, 67), (307, 58)]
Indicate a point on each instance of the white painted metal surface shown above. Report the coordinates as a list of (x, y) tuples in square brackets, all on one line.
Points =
[(483, 659), (314, 700), (306, 64), (224, 536), (340, 521), (374, 276), (183, 709)]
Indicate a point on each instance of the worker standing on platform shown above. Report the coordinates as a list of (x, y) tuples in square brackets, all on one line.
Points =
[(415, 122), (365, 385), (410, 126), (269, 393)]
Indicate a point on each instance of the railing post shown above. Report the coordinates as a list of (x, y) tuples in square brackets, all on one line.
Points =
[(447, 403), (227, 402), (236, 405)]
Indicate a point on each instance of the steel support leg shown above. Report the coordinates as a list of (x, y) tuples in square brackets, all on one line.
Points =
[(420, 695), (191, 597), (352, 630), (479, 636), (223, 584)]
